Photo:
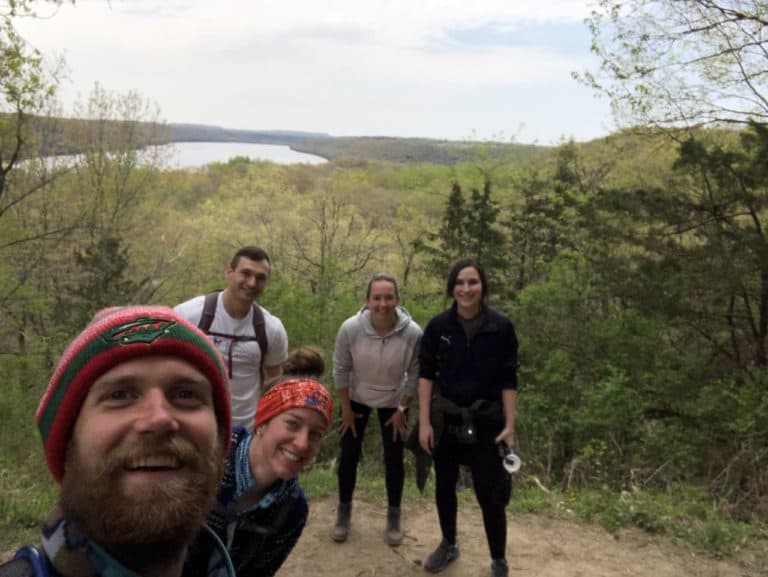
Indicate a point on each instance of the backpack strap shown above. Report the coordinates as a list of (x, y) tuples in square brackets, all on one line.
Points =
[(17, 568), (26, 563), (259, 328), (209, 311)]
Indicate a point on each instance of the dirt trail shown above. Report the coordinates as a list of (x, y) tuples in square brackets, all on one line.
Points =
[(537, 546)]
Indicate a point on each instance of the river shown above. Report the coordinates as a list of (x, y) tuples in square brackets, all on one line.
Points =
[(197, 154)]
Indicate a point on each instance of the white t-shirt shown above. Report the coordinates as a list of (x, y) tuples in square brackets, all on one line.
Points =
[(245, 382)]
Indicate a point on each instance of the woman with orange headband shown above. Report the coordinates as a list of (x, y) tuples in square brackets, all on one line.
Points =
[(261, 509)]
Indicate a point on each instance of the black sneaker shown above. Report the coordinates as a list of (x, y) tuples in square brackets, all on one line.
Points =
[(394, 534), (440, 557), (499, 568), (340, 530)]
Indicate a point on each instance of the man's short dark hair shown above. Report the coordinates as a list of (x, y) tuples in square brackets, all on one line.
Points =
[(250, 252)]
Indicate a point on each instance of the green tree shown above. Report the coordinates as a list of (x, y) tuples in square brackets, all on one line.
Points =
[(30, 215), (534, 226), (469, 227), (486, 240), (330, 250), (706, 249), (111, 181), (65, 245), (672, 62), (26, 89), (453, 235)]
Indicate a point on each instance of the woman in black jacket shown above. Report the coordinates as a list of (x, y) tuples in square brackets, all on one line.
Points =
[(467, 400)]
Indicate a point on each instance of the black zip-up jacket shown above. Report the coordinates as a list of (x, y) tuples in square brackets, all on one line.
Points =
[(465, 371)]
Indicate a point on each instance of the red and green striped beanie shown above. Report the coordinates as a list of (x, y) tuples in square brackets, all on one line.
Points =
[(114, 336)]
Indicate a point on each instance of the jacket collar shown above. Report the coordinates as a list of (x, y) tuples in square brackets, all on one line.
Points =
[(72, 553)]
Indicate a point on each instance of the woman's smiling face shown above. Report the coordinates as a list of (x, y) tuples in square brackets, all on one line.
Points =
[(289, 442), (382, 302), (468, 291)]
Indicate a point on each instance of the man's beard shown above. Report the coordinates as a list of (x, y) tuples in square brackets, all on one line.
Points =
[(144, 527)]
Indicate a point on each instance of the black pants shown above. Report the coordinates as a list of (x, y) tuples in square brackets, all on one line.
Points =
[(491, 483), (351, 448)]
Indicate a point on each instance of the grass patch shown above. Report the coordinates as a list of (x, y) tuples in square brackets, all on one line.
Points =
[(684, 514), (26, 497)]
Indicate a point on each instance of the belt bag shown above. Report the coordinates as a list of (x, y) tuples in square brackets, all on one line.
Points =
[(466, 433)]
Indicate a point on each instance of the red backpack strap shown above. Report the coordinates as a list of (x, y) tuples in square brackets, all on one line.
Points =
[(209, 311)]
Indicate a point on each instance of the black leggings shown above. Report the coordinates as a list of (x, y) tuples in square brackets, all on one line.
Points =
[(351, 448), (491, 483)]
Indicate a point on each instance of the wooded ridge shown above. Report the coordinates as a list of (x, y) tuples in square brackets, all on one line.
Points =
[(52, 136)]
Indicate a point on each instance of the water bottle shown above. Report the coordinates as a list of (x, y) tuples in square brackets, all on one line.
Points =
[(510, 460)]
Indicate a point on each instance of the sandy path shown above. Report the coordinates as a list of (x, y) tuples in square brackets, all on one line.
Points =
[(537, 546)]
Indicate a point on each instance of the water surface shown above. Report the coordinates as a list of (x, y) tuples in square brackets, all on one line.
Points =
[(197, 154)]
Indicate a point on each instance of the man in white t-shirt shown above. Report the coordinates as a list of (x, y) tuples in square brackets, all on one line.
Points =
[(233, 332)]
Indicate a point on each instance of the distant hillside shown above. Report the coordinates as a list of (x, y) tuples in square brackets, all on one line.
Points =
[(380, 148), (402, 150), (67, 135), (204, 133)]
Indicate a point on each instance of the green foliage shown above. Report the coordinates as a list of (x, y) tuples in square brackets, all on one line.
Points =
[(700, 251), (101, 278), (26, 491), (534, 223), (17, 403), (453, 234), (318, 481), (683, 513), (608, 403), (469, 228), (409, 150), (671, 62)]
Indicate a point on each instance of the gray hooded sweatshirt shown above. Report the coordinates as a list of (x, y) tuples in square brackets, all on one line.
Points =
[(377, 370)]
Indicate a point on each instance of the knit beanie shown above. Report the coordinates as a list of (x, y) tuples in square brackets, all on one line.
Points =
[(114, 336)]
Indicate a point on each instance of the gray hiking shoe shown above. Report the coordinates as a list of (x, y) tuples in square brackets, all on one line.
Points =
[(341, 528), (499, 568), (394, 534), (440, 557)]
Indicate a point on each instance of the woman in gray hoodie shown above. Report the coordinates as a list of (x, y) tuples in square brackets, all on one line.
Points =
[(375, 366)]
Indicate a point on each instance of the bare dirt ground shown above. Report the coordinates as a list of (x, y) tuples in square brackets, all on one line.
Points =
[(536, 546)]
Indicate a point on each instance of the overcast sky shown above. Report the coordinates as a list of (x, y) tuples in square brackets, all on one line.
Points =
[(454, 69)]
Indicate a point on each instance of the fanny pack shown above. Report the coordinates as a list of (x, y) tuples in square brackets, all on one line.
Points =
[(466, 432)]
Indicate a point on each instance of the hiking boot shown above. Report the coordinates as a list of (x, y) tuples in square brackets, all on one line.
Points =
[(341, 528), (499, 568), (440, 557), (394, 534)]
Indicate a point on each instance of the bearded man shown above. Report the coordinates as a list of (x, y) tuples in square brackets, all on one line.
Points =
[(135, 424)]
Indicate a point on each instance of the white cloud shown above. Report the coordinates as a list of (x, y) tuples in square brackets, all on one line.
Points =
[(339, 65)]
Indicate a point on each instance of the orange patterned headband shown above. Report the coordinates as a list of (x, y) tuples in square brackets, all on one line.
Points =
[(295, 394)]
